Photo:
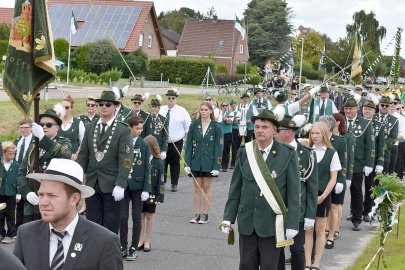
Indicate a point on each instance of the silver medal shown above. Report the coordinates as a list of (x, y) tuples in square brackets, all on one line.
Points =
[(99, 156)]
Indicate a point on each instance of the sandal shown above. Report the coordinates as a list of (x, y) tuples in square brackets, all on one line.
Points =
[(326, 233), (329, 244), (308, 267), (336, 235)]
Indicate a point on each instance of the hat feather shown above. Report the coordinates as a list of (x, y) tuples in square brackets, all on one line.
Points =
[(175, 90), (276, 94), (375, 100), (279, 113), (117, 94), (357, 98), (125, 90), (159, 98), (146, 96), (392, 97), (299, 120), (307, 128), (59, 110)]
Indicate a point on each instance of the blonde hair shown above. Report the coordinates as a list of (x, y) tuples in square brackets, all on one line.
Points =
[(8, 145), (325, 134)]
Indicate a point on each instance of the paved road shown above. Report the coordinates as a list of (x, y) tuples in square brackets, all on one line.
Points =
[(179, 245)]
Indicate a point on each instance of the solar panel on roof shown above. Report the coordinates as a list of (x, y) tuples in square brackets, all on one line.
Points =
[(99, 22)]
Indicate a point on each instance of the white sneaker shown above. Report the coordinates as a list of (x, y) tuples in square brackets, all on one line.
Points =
[(3, 206)]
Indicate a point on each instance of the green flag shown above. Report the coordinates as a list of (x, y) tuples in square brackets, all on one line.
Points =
[(30, 63)]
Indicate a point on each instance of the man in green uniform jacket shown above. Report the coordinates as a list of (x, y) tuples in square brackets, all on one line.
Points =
[(137, 103), (122, 113), (256, 219)]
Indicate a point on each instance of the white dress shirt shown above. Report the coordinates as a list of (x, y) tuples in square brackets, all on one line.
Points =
[(7, 164), (67, 239), (27, 144), (401, 125), (109, 123), (179, 122), (266, 151), (81, 128), (335, 163)]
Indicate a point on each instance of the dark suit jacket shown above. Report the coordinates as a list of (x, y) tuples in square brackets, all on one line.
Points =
[(9, 261), (32, 143), (100, 247)]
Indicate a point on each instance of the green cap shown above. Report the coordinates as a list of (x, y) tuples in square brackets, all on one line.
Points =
[(351, 102), (108, 95), (324, 89), (137, 97), (155, 102), (232, 102), (52, 114), (385, 99), (288, 123), (281, 97), (369, 104), (172, 93), (245, 95), (266, 115)]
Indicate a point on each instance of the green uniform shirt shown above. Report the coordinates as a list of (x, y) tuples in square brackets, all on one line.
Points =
[(157, 180), (140, 174)]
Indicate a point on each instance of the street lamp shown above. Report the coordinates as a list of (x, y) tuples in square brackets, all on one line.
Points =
[(303, 32)]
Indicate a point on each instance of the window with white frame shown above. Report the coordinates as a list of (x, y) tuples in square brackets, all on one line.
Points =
[(140, 40), (150, 41), (241, 49)]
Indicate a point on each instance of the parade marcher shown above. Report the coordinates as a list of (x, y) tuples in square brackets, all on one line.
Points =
[(8, 192), (235, 114), (203, 158), (293, 97), (24, 145), (328, 167), (63, 239), (157, 126), (400, 135), (71, 128), (9, 261), (293, 108), (358, 90), (364, 148), (267, 173), (259, 101), (369, 108), (156, 197), (91, 108), (390, 127), (179, 122), (215, 107), (309, 188), (324, 105), (106, 157), (227, 123), (122, 113), (247, 111), (137, 103), (400, 165), (341, 95), (139, 187), (50, 146)]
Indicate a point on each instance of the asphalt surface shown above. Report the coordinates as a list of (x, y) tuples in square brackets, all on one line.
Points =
[(177, 244)]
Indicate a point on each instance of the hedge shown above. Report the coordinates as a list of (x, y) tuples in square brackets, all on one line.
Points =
[(3, 47), (183, 70)]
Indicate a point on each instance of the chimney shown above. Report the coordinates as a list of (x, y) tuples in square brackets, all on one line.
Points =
[(215, 18)]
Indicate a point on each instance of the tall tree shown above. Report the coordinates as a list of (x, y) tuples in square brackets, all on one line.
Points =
[(369, 27), (175, 19), (313, 45), (269, 29)]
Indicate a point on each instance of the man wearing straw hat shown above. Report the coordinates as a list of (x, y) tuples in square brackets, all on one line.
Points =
[(63, 239)]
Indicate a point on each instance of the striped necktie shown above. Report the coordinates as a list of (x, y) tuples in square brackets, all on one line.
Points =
[(59, 257), (21, 153)]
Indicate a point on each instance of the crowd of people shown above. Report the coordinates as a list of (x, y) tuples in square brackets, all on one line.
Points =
[(292, 159)]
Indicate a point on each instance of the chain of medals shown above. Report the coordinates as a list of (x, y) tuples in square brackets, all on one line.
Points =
[(137, 159), (156, 124), (100, 154)]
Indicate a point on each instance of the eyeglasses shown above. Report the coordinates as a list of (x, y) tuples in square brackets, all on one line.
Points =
[(224, 105), (24, 127), (293, 94), (137, 102), (91, 105), (171, 98), (67, 107), (106, 104), (154, 106), (208, 99), (385, 105), (48, 125)]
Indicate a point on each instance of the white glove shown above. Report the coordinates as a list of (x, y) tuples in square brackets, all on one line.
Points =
[(338, 188), (379, 169), (37, 131), (226, 228), (118, 193), (290, 233), (163, 155), (309, 223), (18, 196), (144, 195), (32, 198), (214, 173), (348, 183), (314, 90), (187, 170), (367, 170)]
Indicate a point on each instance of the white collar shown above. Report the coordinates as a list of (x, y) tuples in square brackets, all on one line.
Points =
[(322, 148), (70, 229), (5, 163), (294, 144), (108, 123), (354, 119), (134, 139), (267, 149), (28, 138)]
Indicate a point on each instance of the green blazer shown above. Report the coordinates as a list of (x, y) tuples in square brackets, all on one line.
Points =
[(378, 129), (158, 127), (390, 135), (251, 209), (114, 168), (140, 173), (157, 181), (8, 179), (85, 119), (124, 113), (309, 182), (350, 155), (204, 153), (146, 118), (339, 144), (364, 144)]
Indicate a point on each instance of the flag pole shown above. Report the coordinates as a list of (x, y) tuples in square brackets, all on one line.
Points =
[(70, 41), (246, 50), (233, 47)]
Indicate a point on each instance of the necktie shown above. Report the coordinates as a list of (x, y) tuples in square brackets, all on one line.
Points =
[(349, 128), (59, 257), (21, 153), (168, 116), (262, 151), (322, 111), (382, 119), (102, 131)]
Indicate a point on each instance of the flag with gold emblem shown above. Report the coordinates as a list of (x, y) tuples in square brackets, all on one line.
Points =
[(30, 63), (357, 60)]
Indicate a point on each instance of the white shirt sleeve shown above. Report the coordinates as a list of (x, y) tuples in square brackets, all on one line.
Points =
[(293, 108), (255, 112), (186, 121), (335, 163), (81, 131), (334, 109)]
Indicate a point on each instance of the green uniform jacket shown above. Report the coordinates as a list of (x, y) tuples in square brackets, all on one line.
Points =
[(146, 120), (8, 179), (364, 144), (265, 104), (58, 147), (124, 113), (72, 134), (390, 127), (114, 168), (339, 144), (350, 155), (378, 129), (157, 181), (85, 119), (158, 127), (244, 200), (140, 174), (309, 182), (204, 153)]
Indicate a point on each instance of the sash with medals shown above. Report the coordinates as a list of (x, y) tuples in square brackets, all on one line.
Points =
[(269, 190)]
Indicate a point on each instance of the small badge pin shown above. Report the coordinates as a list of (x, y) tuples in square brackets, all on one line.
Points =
[(78, 247), (273, 174), (73, 255)]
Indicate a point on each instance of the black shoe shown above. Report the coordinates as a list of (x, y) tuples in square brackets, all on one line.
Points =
[(203, 219), (174, 188), (124, 252), (329, 244), (132, 254), (356, 227), (366, 218)]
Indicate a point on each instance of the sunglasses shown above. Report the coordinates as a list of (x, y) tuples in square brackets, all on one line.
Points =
[(91, 105), (106, 104), (171, 98), (385, 105), (293, 94), (395, 103), (137, 102), (208, 99), (48, 125), (154, 106), (225, 105)]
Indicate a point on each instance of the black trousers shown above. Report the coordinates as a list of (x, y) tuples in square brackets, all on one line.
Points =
[(173, 159), (8, 216), (400, 166), (389, 167), (133, 197), (258, 252), (356, 193), (102, 209), (368, 201), (227, 149), (235, 145), (297, 252), (19, 216)]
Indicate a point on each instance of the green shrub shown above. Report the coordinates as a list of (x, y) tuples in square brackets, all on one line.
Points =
[(113, 74), (2, 66), (303, 79), (78, 57), (184, 69), (254, 79), (62, 74), (240, 68), (61, 48), (222, 69), (3, 47)]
